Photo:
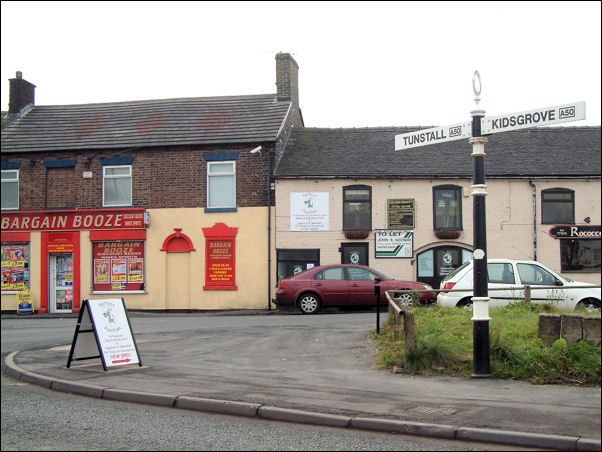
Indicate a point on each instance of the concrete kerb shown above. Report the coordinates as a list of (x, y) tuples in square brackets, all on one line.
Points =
[(233, 408)]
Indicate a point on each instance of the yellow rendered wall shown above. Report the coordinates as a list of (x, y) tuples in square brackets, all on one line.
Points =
[(175, 280)]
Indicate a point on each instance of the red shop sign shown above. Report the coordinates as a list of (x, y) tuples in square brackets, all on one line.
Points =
[(220, 257), (73, 220)]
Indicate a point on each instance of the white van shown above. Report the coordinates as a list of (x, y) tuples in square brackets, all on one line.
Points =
[(507, 278)]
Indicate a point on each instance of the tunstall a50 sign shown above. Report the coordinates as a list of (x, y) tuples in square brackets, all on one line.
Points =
[(73, 220)]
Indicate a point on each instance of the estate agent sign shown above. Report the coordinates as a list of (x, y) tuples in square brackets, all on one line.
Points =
[(394, 243)]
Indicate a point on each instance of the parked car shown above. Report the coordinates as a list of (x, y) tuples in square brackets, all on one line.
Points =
[(341, 285), (507, 278)]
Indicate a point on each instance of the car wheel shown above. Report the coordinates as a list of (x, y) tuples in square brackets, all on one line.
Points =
[(465, 303), (589, 304), (405, 299), (309, 303)]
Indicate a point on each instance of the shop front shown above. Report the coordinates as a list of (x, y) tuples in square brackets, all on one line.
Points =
[(42, 254)]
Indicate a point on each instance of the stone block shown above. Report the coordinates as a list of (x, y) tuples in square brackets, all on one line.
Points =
[(549, 328), (591, 330), (571, 327)]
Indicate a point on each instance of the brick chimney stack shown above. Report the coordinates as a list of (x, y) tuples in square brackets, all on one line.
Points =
[(22, 94), (287, 80)]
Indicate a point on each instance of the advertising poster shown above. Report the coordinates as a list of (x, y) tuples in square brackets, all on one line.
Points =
[(309, 212), (15, 274), (135, 270), (118, 265), (118, 270), (101, 270)]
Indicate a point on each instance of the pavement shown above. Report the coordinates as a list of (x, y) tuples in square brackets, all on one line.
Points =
[(182, 371)]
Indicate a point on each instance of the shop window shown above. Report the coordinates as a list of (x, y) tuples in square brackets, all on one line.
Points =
[(15, 267), (357, 208), (447, 208), (10, 189), (117, 186), (118, 266), (580, 255), (557, 206), (221, 185), (294, 261)]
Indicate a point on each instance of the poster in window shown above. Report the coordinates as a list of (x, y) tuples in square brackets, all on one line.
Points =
[(135, 270), (101, 271), (118, 270), (15, 268), (118, 265)]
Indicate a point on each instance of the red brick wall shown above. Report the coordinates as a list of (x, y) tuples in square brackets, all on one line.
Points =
[(161, 178)]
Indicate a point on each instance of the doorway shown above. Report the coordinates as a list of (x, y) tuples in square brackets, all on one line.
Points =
[(60, 282), (436, 263)]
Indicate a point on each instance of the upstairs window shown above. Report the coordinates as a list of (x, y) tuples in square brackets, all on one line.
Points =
[(10, 189), (117, 186), (357, 208), (557, 206), (447, 207), (221, 184)]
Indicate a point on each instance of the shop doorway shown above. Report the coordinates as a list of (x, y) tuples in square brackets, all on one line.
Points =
[(354, 253), (60, 282), (436, 263)]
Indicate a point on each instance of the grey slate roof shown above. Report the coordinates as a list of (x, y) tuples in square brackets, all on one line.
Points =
[(186, 121), (370, 153)]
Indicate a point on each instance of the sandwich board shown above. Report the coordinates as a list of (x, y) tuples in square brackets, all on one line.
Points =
[(104, 331)]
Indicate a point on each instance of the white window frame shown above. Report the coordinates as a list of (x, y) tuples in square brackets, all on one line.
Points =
[(117, 176), (11, 181), (210, 174)]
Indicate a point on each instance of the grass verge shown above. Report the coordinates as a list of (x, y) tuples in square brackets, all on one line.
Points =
[(443, 346)]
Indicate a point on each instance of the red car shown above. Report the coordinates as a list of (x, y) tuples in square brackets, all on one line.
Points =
[(341, 285)]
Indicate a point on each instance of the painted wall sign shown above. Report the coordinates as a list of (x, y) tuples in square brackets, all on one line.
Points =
[(104, 331), (576, 232), (73, 220), (534, 118), (220, 257), (394, 243), (309, 212)]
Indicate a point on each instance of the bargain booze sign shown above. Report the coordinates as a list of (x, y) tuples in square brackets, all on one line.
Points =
[(220, 257), (73, 220)]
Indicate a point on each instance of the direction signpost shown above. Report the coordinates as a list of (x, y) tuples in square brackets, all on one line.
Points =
[(485, 125)]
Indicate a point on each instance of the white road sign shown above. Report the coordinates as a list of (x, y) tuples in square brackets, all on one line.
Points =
[(533, 118), (432, 136)]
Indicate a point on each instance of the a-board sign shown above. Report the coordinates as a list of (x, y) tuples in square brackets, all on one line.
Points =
[(104, 331)]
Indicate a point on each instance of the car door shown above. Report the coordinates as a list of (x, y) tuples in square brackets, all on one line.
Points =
[(502, 281), (332, 286), (361, 286), (534, 275)]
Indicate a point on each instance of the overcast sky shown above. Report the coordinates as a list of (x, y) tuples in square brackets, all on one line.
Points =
[(361, 64)]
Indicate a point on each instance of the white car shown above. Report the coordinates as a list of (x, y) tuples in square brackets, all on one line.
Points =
[(507, 278)]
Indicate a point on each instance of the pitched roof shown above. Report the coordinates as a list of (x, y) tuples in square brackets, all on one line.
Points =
[(370, 153), (186, 121)]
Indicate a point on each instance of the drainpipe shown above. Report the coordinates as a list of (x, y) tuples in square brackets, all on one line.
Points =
[(534, 219), (269, 196)]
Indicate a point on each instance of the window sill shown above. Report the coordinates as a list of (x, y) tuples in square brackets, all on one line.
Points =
[(220, 209)]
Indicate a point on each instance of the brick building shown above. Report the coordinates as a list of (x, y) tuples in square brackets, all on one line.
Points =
[(165, 203)]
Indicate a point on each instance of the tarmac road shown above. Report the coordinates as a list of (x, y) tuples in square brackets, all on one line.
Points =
[(290, 365)]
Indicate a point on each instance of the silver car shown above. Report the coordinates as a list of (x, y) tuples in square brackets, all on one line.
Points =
[(507, 279)]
